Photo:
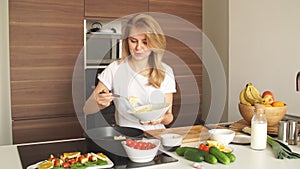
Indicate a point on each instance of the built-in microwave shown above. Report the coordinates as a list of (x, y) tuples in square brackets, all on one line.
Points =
[(102, 43)]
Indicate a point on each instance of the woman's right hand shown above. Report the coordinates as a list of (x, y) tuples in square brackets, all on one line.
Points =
[(98, 100), (103, 98)]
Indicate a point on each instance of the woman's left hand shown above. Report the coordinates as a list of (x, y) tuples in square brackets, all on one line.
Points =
[(167, 118), (152, 122)]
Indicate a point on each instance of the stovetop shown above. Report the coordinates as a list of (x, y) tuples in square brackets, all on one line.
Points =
[(31, 154)]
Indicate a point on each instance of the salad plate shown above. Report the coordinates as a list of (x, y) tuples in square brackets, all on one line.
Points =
[(77, 165), (108, 165)]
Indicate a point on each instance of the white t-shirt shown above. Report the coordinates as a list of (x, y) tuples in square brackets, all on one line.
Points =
[(124, 81)]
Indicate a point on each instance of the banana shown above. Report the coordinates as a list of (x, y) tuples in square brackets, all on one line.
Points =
[(256, 94), (242, 97), (249, 96)]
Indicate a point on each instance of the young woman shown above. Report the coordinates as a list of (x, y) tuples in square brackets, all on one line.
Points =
[(140, 73)]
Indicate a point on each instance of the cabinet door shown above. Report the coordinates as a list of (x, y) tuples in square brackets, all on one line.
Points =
[(114, 8)]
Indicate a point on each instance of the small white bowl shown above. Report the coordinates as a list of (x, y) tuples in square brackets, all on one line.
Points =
[(171, 141), (223, 136), (142, 156), (150, 112)]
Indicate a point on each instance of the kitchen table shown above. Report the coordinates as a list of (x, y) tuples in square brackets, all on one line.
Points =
[(246, 157)]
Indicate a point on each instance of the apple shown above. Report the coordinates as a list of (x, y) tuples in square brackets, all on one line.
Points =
[(268, 96)]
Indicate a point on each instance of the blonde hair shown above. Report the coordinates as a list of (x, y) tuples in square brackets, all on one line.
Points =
[(156, 41)]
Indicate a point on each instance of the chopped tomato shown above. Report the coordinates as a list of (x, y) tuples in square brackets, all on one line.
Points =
[(201, 146), (66, 165), (56, 162), (204, 147), (139, 144), (72, 161)]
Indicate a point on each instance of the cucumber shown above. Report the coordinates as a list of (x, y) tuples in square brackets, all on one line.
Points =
[(180, 151), (219, 155), (208, 157), (231, 157), (193, 156)]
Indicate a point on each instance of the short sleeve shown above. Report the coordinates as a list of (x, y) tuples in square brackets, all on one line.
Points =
[(168, 85), (107, 75)]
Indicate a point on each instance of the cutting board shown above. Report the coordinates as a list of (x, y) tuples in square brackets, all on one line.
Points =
[(239, 125), (189, 133)]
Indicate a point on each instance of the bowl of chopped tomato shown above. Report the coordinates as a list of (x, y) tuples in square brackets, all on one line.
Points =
[(141, 151)]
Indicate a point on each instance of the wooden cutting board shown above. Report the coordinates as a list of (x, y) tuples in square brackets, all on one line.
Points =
[(189, 133), (239, 125)]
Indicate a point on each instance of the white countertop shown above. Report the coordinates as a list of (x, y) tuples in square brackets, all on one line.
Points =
[(9, 157), (246, 159)]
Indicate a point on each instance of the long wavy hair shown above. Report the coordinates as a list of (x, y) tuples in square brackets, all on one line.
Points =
[(156, 42)]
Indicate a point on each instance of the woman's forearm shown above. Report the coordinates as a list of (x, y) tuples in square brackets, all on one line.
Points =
[(91, 105)]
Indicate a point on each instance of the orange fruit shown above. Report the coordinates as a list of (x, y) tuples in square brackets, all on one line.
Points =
[(268, 105), (46, 165), (277, 104), (71, 155)]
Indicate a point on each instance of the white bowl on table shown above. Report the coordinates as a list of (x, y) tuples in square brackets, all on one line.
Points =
[(171, 141), (142, 156), (150, 112), (223, 136)]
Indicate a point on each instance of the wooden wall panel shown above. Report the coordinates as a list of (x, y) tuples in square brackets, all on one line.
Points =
[(34, 92), (46, 12), (190, 10), (25, 131), (45, 57), (41, 73), (114, 8), (46, 38), (38, 111)]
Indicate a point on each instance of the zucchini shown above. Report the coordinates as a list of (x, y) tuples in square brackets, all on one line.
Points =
[(231, 157), (193, 156), (219, 155), (180, 151)]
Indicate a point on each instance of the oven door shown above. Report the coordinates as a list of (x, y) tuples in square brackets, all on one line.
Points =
[(102, 49)]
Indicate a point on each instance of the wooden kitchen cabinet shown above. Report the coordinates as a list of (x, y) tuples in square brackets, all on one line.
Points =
[(114, 8), (46, 37), (188, 73)]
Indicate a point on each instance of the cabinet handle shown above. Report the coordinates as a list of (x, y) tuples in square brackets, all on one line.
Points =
[(298, 82)]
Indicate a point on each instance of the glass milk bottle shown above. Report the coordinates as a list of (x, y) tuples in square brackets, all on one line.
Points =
[(259, 128)]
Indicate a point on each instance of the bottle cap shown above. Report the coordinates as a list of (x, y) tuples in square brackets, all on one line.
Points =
[(259, 106)]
